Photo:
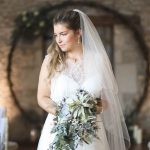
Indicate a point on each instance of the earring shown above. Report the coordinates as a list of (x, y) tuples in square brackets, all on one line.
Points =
[(79, 40)]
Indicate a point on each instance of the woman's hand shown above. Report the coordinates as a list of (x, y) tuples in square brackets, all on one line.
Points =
[(101, 106)]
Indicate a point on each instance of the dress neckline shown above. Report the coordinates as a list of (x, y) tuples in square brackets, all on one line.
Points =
[(74, 70), (70, 61)]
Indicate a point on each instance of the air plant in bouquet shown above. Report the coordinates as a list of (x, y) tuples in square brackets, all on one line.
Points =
[(75, 121)]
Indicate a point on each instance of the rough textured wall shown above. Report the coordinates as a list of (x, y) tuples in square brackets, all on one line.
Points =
[(28, 58)]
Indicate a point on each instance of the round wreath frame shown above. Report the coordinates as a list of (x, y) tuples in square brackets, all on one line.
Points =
[(17, 35)]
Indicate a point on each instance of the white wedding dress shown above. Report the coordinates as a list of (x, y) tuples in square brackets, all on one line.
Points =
[(62, 85)]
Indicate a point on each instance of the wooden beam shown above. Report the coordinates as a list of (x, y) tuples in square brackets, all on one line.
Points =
[(109, 20)]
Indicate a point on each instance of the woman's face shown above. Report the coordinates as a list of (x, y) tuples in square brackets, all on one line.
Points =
[(66, 39)]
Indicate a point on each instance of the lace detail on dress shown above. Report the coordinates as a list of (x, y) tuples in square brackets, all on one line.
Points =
[(74, 70)]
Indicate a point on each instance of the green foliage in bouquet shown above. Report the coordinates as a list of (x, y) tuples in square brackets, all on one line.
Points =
[(75, 122)]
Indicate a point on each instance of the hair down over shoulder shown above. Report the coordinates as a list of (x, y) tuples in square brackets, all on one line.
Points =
[(72, 21)]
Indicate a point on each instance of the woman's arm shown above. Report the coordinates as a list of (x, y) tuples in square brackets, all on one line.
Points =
[(43, 93)]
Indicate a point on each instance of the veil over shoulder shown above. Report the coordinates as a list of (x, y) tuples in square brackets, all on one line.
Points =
[(96, 62)]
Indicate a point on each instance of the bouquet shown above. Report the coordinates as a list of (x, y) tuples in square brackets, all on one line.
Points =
[(75, 121)]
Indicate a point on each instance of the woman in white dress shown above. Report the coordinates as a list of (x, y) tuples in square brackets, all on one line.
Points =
[(76, 59)]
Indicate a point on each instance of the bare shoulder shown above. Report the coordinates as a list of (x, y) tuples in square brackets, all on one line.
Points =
[(47, 59), (48, 56)]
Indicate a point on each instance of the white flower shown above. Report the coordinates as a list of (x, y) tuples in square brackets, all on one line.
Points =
[(42, 23), (28, 24), (24, 18), (36, 13), (36, 32)]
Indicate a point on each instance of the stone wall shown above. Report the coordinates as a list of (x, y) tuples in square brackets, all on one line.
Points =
[(28, 58)]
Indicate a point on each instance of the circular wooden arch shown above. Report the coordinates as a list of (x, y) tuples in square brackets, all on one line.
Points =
[(122, 18)]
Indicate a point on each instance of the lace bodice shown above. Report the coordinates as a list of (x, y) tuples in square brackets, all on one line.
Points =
[(66, 82), (74, 70)]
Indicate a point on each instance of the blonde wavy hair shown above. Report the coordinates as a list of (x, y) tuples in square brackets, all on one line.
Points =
[(71, 19), (57, 58)]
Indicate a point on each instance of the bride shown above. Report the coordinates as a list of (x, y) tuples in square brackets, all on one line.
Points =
[(76, 59)]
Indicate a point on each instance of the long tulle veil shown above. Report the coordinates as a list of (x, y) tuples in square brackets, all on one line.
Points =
[(96, 62)]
